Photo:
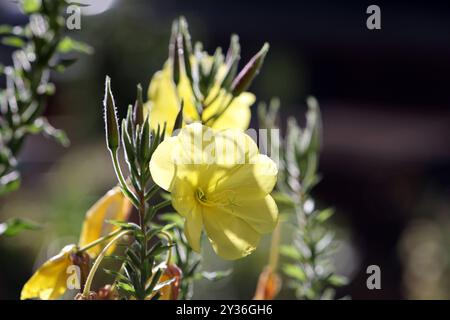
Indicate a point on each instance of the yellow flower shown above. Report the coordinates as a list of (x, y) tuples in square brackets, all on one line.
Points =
[(49, 282), (219, 182), (165, 98), (112, 206)]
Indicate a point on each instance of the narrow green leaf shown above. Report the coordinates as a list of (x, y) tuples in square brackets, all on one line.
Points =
[(31, 6), (9, 182), (290, 252), (13, 42), (294, 271), (14, 226), (67, 45)]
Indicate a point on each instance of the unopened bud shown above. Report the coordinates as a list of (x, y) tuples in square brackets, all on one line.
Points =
[(139, 107), (249, 72), (111, 126)]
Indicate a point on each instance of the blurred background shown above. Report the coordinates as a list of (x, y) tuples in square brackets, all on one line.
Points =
[(385, 100)]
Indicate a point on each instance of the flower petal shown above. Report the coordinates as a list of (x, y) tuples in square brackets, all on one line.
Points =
[(193, 229), (231, 237), (260, 213), (185, 203), (49, 281), (254, 180), (163, 104), (112, 206), (237, 115), (162, 166)]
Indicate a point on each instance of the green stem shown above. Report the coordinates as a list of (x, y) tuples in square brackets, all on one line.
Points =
[(87, 286), (99, 240), (121, 179)]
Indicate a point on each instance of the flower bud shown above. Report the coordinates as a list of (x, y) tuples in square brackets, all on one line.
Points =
[(112, 128), (139, 107), (249, 72)]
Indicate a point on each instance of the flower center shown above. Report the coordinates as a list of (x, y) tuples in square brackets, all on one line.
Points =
[(220, 199), (201, 196)]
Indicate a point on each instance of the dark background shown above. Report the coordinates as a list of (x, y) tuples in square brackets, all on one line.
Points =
[(385, 100)]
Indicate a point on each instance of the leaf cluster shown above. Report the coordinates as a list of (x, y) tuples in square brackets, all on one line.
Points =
[(309, 266), (40, 47)]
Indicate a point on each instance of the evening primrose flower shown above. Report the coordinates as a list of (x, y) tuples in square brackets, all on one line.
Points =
[(165, 98), (50, 280), (114, 205), (220, 183)]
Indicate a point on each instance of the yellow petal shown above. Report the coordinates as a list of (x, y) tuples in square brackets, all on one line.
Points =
[(112, 206), (162, 167), (237, 115), (165, 100), (49, 281), (185, 203), (199, 144), (163, 103), (193, 226), (190, 113), (260, 213), (231, 237), (255, 179)]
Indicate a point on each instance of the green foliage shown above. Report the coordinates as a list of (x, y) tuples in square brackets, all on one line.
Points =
[(14, 226), (41, 46), (309, 270)]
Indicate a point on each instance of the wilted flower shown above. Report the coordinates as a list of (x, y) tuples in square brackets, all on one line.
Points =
[(112, 206), (170, 291), (269, 285), (219, 181), (49, 282)]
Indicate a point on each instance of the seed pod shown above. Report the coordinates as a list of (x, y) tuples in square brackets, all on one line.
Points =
[(139, 107)]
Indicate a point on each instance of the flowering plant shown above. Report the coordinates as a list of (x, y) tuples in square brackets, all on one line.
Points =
[(185, 149)]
